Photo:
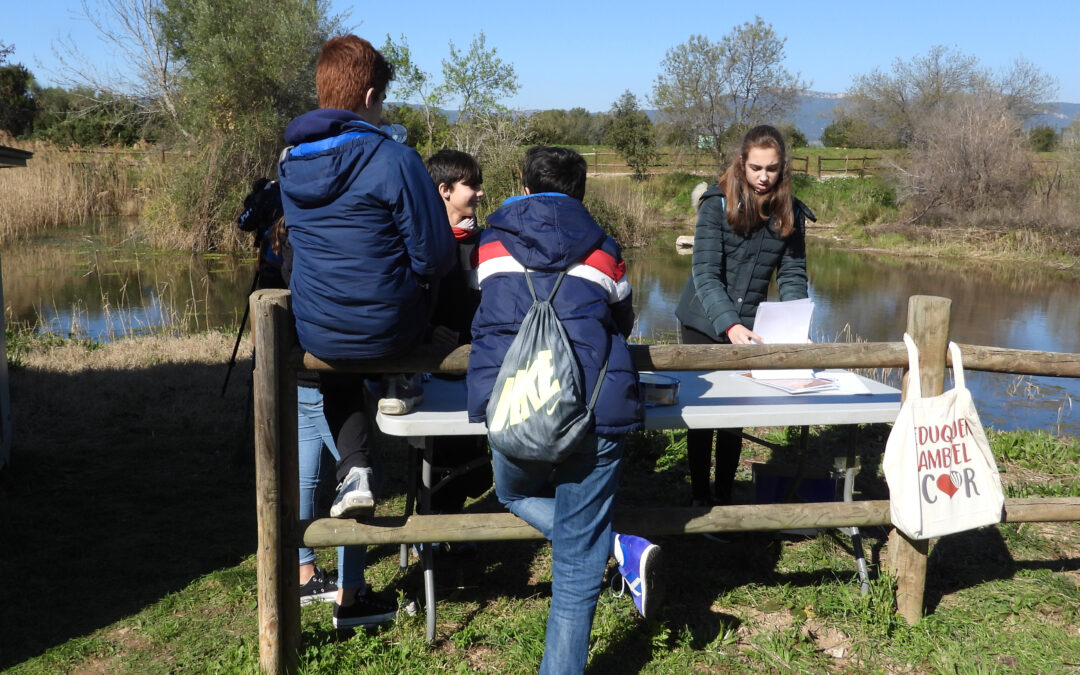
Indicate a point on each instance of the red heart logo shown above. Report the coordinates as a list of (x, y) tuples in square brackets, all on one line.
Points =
[(945, 484)]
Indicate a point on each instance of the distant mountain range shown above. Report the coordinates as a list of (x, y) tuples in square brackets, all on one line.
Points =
[(815, 111)]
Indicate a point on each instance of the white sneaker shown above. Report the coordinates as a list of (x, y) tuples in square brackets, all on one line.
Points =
[(354, 498), (401, 393)]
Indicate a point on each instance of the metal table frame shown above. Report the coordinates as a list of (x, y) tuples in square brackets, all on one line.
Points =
[(707, 400)]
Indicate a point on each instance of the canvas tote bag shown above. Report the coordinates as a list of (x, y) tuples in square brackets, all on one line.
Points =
[(941, 473)]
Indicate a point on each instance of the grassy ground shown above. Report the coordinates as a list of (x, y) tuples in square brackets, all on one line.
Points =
[(128, 536)]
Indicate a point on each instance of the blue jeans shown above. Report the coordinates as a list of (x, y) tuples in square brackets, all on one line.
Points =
[(572, 505), (312, 434)]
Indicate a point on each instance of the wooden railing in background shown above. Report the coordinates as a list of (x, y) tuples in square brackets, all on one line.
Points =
[(278, 357)]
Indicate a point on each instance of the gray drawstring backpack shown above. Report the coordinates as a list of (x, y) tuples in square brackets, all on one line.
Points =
[(537, 409)]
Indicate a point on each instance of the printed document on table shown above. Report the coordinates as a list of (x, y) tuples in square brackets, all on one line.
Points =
[(784, 323)]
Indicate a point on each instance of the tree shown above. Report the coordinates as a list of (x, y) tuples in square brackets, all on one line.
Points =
[(1043, 138), (629, 131), (17, 105), (88, 119), (246, 68), (413, 84), (477, 79), (716, 90), (567, 127), (972, 157), (133, 29), (891, 106)]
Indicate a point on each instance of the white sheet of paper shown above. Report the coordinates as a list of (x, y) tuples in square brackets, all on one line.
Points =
[(784, 323)]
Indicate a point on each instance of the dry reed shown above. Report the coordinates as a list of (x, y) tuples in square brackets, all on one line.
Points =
[(621, 206), (59, 188)]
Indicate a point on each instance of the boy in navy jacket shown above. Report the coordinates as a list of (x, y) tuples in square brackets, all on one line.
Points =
[(546, 231), (369, 240)]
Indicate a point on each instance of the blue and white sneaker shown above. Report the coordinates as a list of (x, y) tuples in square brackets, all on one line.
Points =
[(639, 560)]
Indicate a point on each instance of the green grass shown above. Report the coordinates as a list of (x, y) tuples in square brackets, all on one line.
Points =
[(133, 503)]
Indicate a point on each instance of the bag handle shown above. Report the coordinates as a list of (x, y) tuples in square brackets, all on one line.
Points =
[(915, 383), (532, 289), (603, 369), (957, 366)]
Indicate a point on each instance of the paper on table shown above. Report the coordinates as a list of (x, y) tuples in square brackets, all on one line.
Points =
[(784, 323)]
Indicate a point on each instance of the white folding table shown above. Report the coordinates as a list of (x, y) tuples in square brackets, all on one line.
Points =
[(707, 400)]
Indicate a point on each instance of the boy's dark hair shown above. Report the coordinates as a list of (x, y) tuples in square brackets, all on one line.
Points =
[(553, 169), (450, 166)]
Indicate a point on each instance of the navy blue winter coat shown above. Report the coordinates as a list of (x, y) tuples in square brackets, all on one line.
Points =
[(547, 233), (369, 234)]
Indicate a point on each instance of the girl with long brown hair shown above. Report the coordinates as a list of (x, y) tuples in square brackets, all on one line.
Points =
[(749, 227)]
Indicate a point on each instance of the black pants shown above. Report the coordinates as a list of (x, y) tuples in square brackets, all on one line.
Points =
[(349, 418), (699, 445)]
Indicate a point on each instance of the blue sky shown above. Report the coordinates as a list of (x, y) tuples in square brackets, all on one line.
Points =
[(586, 53)]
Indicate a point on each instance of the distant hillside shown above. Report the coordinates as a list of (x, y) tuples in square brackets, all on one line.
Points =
[(815, 111)]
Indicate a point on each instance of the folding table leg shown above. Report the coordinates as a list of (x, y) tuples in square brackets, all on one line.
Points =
[(846, 464), (427, 556)]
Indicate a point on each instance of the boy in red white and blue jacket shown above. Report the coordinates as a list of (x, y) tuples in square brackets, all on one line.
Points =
[(546, 231)]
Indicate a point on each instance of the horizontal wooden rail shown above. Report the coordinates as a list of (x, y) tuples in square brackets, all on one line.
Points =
[(649, 521), (444, 359)]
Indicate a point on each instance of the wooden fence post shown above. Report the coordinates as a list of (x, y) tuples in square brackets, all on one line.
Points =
[(277, 489), (928, 325)]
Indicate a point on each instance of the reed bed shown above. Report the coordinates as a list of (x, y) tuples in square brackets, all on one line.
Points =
[(621, 206), (60, 188)]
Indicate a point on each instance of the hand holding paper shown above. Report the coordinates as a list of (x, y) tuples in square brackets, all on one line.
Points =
[(784, 323)]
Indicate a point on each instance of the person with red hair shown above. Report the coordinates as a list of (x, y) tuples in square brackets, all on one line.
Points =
[(369, 244)]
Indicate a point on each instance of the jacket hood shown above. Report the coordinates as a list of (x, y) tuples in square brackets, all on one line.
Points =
[(329, 148), (546, 231)]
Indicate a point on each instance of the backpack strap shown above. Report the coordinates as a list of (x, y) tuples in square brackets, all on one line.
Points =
[(603, 368)]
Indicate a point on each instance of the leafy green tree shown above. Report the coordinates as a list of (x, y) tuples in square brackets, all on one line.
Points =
[(17, 105), (247, 68), (5, 51), (792, 136), (567, 127), (477, 79), (716, 90), (412, 84), (629, 131), (1043, 138), (90, 118)]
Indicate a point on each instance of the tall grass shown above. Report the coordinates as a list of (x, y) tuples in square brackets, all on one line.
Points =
[(634, 212), (59, 188)]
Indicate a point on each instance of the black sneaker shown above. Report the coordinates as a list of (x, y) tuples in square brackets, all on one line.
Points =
[(319, 588), (369, 609)]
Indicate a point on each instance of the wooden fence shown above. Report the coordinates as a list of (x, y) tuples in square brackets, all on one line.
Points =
[(704, 163), (278, 357)]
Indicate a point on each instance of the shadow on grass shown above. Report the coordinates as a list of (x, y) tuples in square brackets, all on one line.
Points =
[(124, 486)]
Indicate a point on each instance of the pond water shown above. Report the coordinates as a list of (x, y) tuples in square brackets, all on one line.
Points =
[(865, 296), (96, 285)]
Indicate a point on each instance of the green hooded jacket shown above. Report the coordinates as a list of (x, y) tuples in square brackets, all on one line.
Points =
[(731, 272)]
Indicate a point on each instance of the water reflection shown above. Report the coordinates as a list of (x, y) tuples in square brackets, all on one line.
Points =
[(1000, 305), (99, 286)]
